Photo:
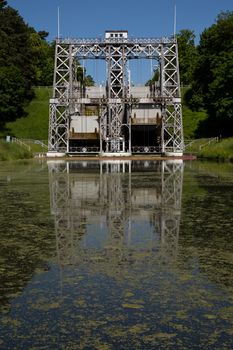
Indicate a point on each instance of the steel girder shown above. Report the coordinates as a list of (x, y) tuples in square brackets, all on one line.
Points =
[(116, 52)]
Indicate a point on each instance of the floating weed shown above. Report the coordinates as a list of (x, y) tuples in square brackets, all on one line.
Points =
[(132, 306), (139, 328), (226, 313), (116, 332), (10, 321), (80, 303), (210, 316), (128, 294), (229, 331), (181, 314), (164, 335), (104, 346), (45, 307)]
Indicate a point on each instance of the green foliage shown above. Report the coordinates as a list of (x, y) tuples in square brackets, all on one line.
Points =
[(212, 84), (187, 55), (35, 125), (85, 80), (154, 79), (16, 65), (191, 121), (43, 59), (26, 59), (3, 3), (12, 93), (191, 118)]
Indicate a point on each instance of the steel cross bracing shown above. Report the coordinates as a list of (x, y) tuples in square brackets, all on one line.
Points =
[(116, 106)]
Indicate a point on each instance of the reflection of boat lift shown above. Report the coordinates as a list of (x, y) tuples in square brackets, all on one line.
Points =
[(84, 193)]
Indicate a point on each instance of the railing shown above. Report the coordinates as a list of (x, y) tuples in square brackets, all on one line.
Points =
[(214, 139), (84, 149), (21, 143), (91, 41), (146, 149), (27, 142), (36, 142), (188, 143), (198, 144)]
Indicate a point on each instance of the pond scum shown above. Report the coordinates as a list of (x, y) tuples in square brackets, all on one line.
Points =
[(130, 299)]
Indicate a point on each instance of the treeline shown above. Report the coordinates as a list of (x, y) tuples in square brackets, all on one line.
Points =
[(26, 60), (206, 70)]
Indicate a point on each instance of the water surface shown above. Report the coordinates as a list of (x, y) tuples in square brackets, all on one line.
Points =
[(116, 255)]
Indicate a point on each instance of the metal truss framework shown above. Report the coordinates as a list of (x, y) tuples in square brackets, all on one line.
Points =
[(75, 208), (115, 108)]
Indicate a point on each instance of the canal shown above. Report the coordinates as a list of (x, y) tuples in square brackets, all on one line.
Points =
[(116, 255)]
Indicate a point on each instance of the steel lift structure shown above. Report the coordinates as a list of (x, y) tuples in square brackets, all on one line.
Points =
[(114, 119)]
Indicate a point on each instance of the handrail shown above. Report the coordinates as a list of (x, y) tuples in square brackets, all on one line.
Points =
[(21, 143), (216, 139)]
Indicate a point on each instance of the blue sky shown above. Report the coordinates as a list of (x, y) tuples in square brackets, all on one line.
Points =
[(146, 18)]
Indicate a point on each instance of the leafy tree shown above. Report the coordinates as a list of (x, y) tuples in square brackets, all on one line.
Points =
[(85, 80), (3, 4), (12, 94), (212, 84), (15, 62), (187, 55), (43, 58), (26, 59), (154, 79), (43, 34)]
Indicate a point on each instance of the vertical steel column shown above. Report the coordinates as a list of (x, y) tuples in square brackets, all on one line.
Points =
[(59, 103), (116, 61), (172, 128)]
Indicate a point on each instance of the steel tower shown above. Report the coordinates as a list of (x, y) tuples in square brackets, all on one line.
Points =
[(114, 122)]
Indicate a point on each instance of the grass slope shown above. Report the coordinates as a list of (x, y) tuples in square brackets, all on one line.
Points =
[(35, 125), (218, 150), (12, 151), (191, 120), (222, 150)]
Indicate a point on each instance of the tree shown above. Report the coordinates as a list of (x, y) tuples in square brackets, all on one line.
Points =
[(3, 4), (12, 94), (212, 84), (187, 55), (26, 60), (154, 79), (42, 58), (85, 80), (16, 62)]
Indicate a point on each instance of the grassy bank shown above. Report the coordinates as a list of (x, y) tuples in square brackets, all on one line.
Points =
[(218, 150), (12, 151), (35, 125)]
